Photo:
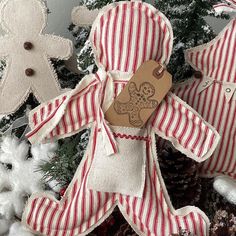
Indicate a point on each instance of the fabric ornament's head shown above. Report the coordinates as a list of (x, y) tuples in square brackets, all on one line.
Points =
[(24, 12), (126, 34)]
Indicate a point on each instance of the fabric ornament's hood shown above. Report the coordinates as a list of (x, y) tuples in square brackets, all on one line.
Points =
[(123, 37)]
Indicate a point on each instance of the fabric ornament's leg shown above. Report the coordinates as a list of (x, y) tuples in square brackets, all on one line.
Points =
[(153, 214), (10, 100), (78, 213)]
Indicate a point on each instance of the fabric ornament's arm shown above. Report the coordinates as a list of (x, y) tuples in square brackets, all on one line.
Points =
[(177, 122), (57, 47), (6, 44), (67, 114)]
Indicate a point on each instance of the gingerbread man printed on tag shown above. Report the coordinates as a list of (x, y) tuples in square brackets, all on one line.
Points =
[(139, 99), (27, 52)]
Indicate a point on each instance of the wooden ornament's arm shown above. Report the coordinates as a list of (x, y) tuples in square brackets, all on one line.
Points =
[(189, 133)]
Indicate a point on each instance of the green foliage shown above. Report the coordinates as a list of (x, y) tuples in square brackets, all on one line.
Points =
[(188, 19), (67, 158), (95, 4), (7, 121)]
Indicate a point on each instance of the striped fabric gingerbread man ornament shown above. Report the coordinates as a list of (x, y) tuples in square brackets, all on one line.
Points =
[(214, 95), (120, 165)]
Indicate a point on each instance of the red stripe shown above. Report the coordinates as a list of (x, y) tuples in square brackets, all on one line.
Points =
[(186, 223), (42, 111), (37, 213), (203, 59), (83, 208), (146, 35), (198, 135), (208, 59), (201, 225), (71, 116), (121, 39), (78, 111), (153, 36), (49, 109), (163, 224), (193, 221), (35, 120), (160, 39), (75, 215), (98, 206), (137, 42), (49, 226), (178, 122), (64, 124), (185, 129), (134, 205), (163, 118), (86, 113), (101, 45), (68, 215), (156, 200), (196, 59), (42, 227), (130, 36), (167, 50), (29, 219), (105, 203), (58, 131), (231, 72), (107, 37), (91, 203), (190, 137), (94, 108), (114, 38), (57, 228), (127, 205), (141, 209), (171, 119)]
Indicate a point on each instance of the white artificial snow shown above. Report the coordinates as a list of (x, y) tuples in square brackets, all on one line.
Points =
[(226, 187), (18, 229), (55, 186), (4, 226), (86, 48), (18, 183)]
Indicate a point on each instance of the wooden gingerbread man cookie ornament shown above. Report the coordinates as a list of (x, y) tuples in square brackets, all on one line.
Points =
[(139, 99), (27, 52)]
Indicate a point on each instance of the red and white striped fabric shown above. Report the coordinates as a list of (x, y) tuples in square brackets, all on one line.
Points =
[(214, 96), (83, 209), (228, 6)]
